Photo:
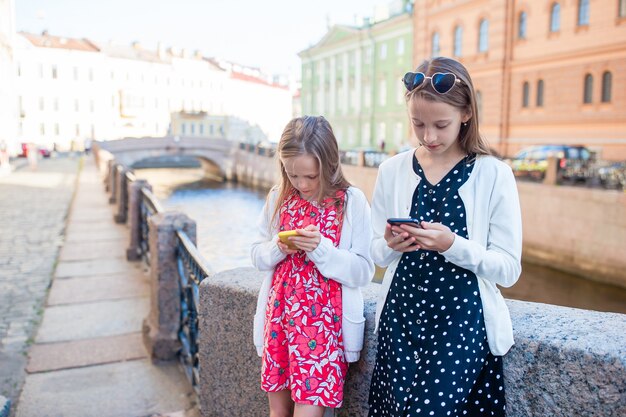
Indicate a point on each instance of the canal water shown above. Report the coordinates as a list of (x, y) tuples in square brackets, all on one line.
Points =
[(226, 215)]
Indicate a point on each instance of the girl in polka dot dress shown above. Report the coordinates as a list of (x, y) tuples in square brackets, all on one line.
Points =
[(309, 322), (442, 323)]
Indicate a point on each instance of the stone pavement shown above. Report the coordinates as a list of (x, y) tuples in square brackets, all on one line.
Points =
[(33, 209), (88, 358)]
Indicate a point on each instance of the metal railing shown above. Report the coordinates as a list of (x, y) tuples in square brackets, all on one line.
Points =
[(192, 269), (148, 206)]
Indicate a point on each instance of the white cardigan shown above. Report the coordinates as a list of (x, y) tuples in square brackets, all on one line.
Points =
[(349, 264), (494, 225)]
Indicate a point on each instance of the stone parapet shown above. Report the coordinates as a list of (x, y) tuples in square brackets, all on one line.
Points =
[(160, 328), (135, 196), (565, 362)]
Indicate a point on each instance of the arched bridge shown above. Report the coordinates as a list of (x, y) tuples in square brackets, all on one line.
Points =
[(214, 154)]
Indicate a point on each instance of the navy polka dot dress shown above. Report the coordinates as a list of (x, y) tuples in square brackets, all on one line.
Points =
[(433, 358)]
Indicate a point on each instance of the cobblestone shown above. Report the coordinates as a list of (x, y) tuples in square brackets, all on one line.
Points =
[(33, 209)]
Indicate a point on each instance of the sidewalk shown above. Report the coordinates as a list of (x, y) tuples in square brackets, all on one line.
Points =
[(88, 358)]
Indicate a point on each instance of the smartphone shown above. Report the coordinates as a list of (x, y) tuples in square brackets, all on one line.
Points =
[(397, 221), (283, 236)]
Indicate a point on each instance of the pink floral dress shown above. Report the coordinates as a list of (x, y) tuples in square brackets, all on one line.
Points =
[(303, 349)]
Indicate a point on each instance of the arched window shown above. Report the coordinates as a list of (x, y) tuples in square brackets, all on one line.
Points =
[(483, 36), (583, 12), (588, 91), (555, 18), (607, 79), (525, 94), (479, 105), (436, 50), (539, 93), (521, 27), (458, 41)]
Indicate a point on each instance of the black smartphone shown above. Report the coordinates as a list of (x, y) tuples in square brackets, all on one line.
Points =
[(397, 221)]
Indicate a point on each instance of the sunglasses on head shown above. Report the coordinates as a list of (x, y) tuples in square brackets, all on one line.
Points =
[(442, 82)]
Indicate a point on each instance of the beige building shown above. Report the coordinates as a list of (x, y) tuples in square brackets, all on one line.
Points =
[(8, 99), (547, 72)]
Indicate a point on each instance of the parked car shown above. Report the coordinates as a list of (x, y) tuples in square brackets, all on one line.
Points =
[(573, 162), (612, 176), (44, 152)]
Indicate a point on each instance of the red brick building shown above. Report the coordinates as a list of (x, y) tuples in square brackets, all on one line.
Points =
[(550, 72)]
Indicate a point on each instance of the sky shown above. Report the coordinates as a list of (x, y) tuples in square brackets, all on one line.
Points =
[(266, 34)]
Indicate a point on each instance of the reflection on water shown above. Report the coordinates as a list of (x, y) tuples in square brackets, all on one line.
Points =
[(225, 213), (226, 217)]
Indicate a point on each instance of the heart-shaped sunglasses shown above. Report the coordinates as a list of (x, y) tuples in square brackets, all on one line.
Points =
[(442, 82)]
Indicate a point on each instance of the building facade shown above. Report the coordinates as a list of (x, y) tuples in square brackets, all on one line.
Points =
[(71, 90), (352, 77), (546, 72), (8, 112), (203, 124)]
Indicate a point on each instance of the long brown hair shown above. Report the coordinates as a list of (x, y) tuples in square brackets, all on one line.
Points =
[(313, 136), (461, 96)]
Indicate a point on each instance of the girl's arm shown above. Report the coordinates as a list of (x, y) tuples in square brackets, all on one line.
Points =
[(500, 261), (382, 254), (265, 251), (350, 267)]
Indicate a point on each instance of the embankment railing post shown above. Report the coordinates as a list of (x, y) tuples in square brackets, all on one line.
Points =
[(133, 252), (160, 328)]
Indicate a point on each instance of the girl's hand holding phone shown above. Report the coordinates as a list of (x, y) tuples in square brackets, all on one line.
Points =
[(430, 236), (306, 239), (399, 239)]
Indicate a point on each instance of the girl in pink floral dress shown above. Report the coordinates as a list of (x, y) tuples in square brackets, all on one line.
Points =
[(309, 322)]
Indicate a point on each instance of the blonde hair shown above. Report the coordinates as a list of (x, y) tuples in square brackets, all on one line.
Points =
[(312, 136), (462, 96)]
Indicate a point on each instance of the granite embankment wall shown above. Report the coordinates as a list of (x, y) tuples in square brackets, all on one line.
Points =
[(575, 229), (566, 362)]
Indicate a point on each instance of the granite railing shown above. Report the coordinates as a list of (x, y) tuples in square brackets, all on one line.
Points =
[(566, 362)]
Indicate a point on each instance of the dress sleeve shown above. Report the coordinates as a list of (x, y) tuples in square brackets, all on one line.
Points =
[(265, 252), (382, 254), (500, 260), (351, 267)]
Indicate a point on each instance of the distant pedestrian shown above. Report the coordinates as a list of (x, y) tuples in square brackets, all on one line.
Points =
[(381, 145), (309, 321), (32, 155), (442, 323), (87, 146)]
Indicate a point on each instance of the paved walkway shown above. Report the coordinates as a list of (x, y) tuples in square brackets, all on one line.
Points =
[(88, 358)]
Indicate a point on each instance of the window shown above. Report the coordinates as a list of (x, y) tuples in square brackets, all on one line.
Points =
[(621, 8), (458, 41), (539, 100), (91, 106), (588, 91), (382, 99), (521, 28), (42, 129), (19, 69), (525, 94), (183, 128), (56, 129), (400, 47), (77, 130), (90, 74), (201, 128), (383, 51), (40, 70), (483, 36), (555, 18), (54, 72), (607, 79), (76, 106), (75, 70), (435, 48), (56, 104), (193, 129), (583, 12), (41, 104)]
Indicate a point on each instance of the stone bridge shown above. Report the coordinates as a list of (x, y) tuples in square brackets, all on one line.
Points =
[(214, 154)]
